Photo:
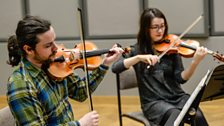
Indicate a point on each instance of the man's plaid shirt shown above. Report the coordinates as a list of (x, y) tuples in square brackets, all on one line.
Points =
[(34, 99)]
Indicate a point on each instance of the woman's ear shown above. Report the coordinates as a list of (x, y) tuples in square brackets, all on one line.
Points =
[(28, 49)]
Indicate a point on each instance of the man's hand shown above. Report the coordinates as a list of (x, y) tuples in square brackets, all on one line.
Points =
[(115, 54), (90, 119)]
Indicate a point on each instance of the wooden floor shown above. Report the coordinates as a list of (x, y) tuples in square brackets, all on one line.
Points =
[(106, 106)]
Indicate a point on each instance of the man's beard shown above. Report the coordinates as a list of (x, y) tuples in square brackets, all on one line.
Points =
[(46, 63)]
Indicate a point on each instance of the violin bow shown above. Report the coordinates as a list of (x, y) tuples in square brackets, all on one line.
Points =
[(82, 37), (179, 37)]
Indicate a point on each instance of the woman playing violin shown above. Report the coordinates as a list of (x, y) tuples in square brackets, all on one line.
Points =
[(160, 84), (33, 97)]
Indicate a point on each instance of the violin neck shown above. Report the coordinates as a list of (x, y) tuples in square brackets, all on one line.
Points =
[(188, 46), (94, 53), (216, 55), (194, 47)]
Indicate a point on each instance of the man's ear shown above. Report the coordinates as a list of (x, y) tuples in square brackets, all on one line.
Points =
[(27, 49)]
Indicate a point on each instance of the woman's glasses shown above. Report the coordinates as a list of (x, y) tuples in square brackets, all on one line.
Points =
[(157, 27)]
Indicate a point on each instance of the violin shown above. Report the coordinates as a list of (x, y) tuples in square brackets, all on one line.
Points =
[(184, 48), (66, 60)]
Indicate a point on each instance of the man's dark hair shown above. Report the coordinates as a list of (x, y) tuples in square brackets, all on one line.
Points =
[(26, 34)]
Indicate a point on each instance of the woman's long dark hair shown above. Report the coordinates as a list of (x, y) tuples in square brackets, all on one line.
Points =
[(144, 39), (26, 34)]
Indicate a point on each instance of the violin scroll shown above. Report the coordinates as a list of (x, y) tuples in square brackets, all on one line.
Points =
[(219, 57)]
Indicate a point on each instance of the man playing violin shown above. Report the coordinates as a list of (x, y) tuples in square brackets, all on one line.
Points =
[(33, 97), (159, 82)]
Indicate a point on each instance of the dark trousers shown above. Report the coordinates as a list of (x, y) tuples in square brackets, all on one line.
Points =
[(198, 120)]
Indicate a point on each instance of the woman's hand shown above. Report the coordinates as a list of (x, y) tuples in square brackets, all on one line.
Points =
[(150, 59), (200, 54)]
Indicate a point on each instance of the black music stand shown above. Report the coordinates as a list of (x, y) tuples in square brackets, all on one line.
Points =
[(211, 87), (215, 85)]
